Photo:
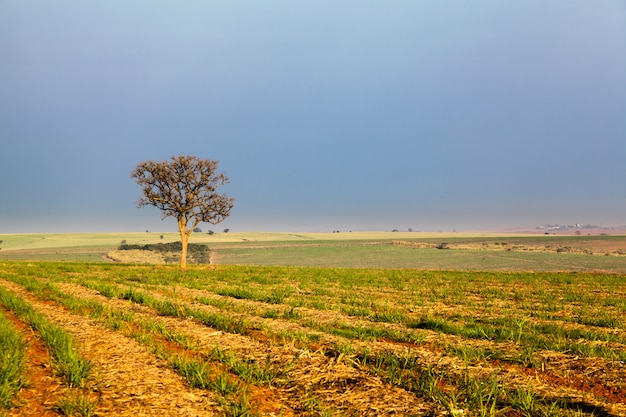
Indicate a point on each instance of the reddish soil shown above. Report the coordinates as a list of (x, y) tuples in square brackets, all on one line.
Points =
[(43, 389)]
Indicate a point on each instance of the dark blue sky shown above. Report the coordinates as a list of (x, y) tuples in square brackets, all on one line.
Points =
[(325, 115)]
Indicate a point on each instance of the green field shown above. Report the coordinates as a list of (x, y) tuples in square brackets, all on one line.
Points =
[(254, 340), (362, 250), (350, 324)]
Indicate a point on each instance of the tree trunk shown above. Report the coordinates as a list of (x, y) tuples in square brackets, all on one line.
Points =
[(183, 253), (184, 239)]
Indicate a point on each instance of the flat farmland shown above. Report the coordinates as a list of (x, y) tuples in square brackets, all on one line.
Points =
[(329, 326), (453, 251)]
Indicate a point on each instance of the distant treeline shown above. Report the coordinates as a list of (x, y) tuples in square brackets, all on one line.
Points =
[(196, 252)]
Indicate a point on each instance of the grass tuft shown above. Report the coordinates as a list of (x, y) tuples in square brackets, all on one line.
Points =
[(77, 405)]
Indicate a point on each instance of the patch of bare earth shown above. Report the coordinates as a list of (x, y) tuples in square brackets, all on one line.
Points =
[(136, 256), (126, 379), (599, 247)]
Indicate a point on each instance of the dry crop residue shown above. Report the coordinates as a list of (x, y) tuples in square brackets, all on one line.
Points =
[(312, 375), (343, 385), (601, 248), (324, 360), (130, 381)]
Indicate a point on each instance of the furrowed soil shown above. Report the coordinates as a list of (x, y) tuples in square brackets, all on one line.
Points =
[(129, 380), (43, 389), (329, 341)]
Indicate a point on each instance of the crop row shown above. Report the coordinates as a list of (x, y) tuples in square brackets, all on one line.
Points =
[(468, 352), (67, 362)]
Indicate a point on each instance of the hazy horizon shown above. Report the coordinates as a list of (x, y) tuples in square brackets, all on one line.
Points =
[(342, 115)]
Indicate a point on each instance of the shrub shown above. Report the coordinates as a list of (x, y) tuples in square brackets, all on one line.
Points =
[(196, 252)]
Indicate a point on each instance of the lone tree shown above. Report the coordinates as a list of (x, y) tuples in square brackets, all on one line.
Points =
[(184, 188)]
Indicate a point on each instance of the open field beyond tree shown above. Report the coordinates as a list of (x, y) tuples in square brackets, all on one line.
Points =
[(106, 338), (453, 251)]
